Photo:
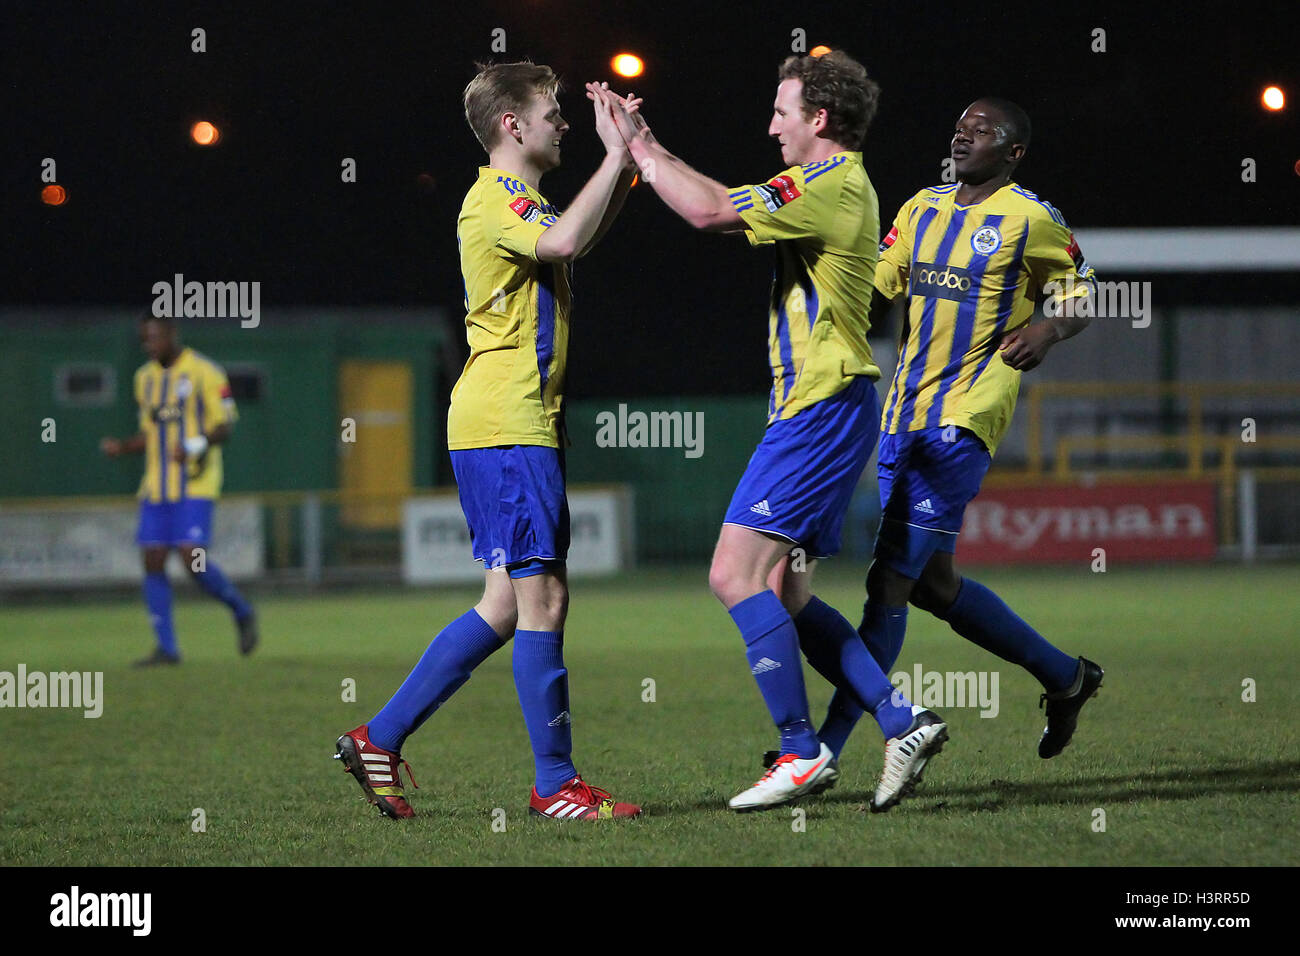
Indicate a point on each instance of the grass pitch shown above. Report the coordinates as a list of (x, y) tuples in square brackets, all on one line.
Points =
[(1186, 772)]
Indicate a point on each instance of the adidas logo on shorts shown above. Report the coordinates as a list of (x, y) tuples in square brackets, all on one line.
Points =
[(925, 506), (561, 719), (762, 508), (763, 666)]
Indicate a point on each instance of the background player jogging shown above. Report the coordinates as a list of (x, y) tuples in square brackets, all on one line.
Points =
[(505, 433), (821, 213), (186, 413), (972, 258)]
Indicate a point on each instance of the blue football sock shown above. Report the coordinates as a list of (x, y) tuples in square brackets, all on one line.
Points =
[(218, 585), (459, 648), (838, 653), (158, 598), (842, 716), (983, 618), (882, 630), (772, 647), (543, 687), (893, 714), (844, 712), (822, 630)]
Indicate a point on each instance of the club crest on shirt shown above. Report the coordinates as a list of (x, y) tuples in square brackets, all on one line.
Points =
[(526, 209), (183, 387), (777, 192), (986, 240)]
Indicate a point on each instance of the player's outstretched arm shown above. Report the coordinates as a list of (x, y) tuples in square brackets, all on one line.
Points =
[(576, 230), (113, 447), (614, 208), (620, 193), (701, 201), (1026, 347)]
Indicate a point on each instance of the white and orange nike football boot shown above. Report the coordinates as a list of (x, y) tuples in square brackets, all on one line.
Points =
[(789, 778)]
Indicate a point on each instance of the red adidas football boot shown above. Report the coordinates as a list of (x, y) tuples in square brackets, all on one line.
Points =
[(578, 800), (376, 770)]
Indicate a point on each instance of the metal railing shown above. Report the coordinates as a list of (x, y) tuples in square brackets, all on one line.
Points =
[(1201, 454), (1194, 440)]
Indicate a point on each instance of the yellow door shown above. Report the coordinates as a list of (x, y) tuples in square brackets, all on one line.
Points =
[(375, 471)]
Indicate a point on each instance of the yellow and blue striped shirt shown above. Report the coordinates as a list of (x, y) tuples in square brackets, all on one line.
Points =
[(825, 222), (190, 397), (971, 274)]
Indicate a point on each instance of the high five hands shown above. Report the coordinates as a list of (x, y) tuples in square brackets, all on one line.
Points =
[(622, 114)]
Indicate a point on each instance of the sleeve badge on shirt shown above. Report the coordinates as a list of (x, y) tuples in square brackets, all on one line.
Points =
[(986, 240), (1076, 255), (526, 209), (777, 192), (891, 237)]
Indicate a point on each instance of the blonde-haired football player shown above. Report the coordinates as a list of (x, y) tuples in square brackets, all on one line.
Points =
[(505, 432)]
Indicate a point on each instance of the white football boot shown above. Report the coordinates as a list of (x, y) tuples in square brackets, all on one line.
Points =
[(825, 781), (788, 779), (906, 756)]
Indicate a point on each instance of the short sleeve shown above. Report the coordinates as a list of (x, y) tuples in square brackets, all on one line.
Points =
[(896, 255), (776, 209), (218, 402), (1053, 257), (522, 223)]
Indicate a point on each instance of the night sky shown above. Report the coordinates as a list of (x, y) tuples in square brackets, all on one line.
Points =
[(1150, 133)]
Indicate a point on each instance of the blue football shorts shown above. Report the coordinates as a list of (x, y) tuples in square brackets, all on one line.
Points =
[(926, 481), (799, 480), (514, 501), (172, 523)]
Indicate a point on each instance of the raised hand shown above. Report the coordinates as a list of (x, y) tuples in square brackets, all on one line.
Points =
[(606, 123), (623, 110), (631, 106)]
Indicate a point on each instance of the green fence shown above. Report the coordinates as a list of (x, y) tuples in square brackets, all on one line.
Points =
[(285, 375), (288, 434)]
